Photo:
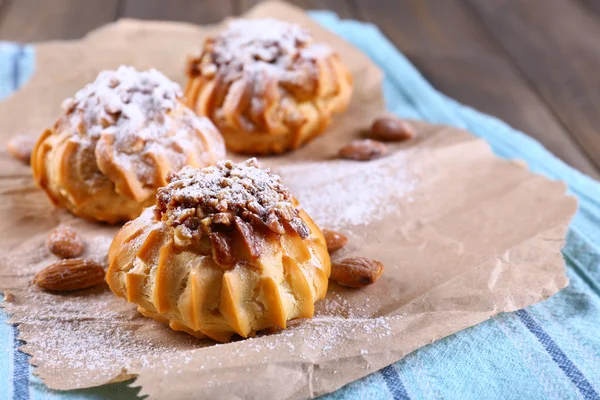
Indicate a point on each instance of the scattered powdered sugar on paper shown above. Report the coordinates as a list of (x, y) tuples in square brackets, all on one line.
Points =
[(98, 246), (324, 334), (338, 194), (339, 305), (88, 333), (93, 336), (306, 339)]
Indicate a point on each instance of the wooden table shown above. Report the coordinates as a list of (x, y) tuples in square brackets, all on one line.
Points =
[(533, 63)]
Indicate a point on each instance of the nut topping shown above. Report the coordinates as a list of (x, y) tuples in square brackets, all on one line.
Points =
[(211, 199), (221, 249)]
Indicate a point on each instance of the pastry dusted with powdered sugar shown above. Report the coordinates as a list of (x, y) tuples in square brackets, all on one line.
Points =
[(226, 250), (116, 141), (267, 85)]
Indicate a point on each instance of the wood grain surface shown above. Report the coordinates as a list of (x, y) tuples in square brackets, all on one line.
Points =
[(534, 67), (199, 12)]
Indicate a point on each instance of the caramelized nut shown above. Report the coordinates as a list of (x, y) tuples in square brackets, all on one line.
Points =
[(222, 250), (65, 242), (392, 129), (363, 150), (356, 272), (334, 240)]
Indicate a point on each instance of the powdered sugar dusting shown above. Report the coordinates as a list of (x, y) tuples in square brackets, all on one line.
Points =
[(125, 100), (137, 120), (85, 335), (256, 52), (216, 195), (92, 336), (340, 194), (266, 40)]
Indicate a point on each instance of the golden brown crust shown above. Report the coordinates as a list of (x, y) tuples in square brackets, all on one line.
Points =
[(190, 291), (267, 86), (112, 148), (230, 279)]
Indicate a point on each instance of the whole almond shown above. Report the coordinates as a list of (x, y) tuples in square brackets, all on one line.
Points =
[(392, 129), (71, 274), (65, 242), (363, 150), (356, 272), (20, 147), (334, 240)]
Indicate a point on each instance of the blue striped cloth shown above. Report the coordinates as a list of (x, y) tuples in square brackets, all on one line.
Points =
[(550, 350)]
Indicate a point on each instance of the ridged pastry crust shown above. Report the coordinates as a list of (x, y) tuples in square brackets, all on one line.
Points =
[(225, 251), (267, 85), (118, 138)]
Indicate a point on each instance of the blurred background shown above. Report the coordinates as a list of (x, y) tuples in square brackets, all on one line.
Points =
[(533, 63)]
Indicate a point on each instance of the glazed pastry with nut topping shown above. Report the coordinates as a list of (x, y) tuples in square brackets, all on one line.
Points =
[(226, 251), (267, 85), (116, 141)]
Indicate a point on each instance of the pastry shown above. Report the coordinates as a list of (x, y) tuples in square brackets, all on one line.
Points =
[(267, 85), (116, 141), (226, 250)]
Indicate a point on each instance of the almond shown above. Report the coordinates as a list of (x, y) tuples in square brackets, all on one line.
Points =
[(334, 240), (65, 242), (356, 272), (363, 150), (69, 275), (20, 147), (392, 129)]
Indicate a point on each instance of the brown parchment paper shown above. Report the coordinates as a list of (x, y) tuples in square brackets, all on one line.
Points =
[(463, 234)]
